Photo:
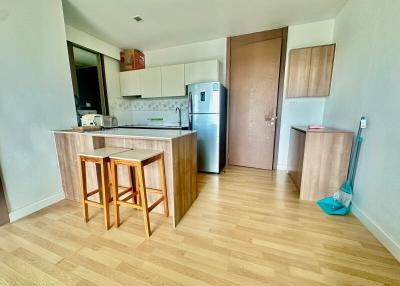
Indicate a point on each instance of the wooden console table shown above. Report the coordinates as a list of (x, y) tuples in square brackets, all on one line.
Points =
[(318, 160)]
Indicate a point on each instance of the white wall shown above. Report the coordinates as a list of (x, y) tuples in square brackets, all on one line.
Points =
[(302, 111), (366, 82), (207, 50), (90, 42), (35, 97)]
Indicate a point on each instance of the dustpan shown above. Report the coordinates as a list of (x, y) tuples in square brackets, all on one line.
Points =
[(340, 202)]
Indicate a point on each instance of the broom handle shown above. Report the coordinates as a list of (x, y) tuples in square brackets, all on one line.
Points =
[(359, 141), (353, 155)]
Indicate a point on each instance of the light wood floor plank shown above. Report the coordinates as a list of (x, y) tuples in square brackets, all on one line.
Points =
[(247, 227)]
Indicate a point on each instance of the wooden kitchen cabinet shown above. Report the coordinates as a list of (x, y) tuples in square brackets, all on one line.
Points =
[(204, 71), (310, 71), (150, 82), (173, 80), (130, 83), (318, 160)]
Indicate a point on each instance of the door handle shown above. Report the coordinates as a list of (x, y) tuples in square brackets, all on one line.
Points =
[(270, 120)]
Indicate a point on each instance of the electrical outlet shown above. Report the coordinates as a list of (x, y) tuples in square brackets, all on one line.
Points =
[(363, 122)]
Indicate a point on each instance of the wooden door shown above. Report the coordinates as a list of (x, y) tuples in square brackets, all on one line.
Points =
[(254, 81)]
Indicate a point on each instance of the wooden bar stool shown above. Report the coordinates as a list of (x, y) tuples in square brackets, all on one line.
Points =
[(100, 157), (137, 159)]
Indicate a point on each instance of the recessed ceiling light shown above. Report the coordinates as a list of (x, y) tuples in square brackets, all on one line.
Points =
[(137, 18)]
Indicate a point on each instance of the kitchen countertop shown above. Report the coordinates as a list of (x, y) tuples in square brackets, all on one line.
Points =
[(155, 134)]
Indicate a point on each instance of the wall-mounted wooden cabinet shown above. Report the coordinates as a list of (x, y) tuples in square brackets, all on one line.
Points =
[(167, 81), (310, 71)]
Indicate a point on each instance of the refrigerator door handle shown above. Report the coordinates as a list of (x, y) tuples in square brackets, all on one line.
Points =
[(190, 110), (190, 121), (190, 107)]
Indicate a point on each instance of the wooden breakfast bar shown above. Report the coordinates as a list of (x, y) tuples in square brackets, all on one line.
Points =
[(180, 151)]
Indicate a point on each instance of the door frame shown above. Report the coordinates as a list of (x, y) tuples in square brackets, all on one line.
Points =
[(258, 36), (100, 73)]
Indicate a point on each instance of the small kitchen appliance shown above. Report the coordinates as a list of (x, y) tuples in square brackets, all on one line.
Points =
[(88, 120), (106, 121), (99, 120)]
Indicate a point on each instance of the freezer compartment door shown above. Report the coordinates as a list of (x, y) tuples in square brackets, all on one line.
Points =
[(207, 127), (204, 97)]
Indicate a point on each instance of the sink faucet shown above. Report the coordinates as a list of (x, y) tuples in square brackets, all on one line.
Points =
[(180, 115)]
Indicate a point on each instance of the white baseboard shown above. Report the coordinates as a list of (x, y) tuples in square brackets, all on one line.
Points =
[(389, 242), (29, 209)]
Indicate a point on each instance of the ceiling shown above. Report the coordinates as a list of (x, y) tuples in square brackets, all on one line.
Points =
[(175, 22)]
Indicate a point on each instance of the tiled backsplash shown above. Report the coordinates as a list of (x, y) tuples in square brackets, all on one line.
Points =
[(140, 111)]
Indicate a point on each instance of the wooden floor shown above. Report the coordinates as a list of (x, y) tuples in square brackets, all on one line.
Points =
[(246, 228)]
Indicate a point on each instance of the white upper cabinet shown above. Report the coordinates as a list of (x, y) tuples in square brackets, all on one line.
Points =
[(173, 80), (130, 83), (150, 82), (167, 81), (204, 71)]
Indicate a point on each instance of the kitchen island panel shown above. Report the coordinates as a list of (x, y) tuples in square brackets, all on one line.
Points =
[(185, 174), (151, 172), (68, 145), (180, 165)]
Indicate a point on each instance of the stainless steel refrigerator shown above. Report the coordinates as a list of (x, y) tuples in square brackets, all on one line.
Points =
[(207, 115)]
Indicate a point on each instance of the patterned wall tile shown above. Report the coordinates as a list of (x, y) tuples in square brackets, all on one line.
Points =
[(139, 110)]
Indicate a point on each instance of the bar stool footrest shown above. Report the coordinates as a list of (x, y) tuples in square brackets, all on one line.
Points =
[(130, 197), (127, 190), (89, 194), (94, 204), (154, 191), (156, 203), (131, 205)]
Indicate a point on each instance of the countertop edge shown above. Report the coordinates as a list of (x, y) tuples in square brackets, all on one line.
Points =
[(322, 130), (93, 134)]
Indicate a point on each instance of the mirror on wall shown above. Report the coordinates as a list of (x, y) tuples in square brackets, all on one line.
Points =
[(88, 80)]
